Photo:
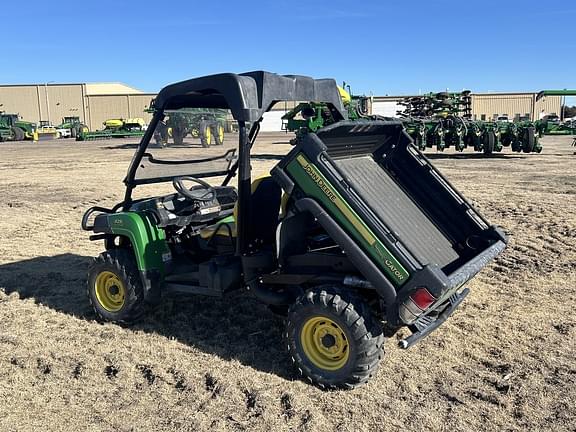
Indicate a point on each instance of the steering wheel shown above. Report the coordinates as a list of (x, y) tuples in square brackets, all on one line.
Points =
[(207, 193)]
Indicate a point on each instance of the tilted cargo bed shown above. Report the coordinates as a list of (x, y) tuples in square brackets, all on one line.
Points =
[(397, 209)]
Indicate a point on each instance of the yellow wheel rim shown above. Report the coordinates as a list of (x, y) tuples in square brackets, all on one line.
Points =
[(110, 291), (325, 343), (194, 133), (208, 134), (221, 133)]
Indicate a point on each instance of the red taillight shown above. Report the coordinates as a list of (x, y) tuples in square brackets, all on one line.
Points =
[(422, 298)]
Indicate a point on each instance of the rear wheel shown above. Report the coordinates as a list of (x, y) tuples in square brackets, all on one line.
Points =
[(114, 286), (218, 134), (333, 338), (529, 140), (178, 136), (488, 143), (18, 133), (205, 134)]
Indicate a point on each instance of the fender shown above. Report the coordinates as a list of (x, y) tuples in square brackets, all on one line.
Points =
[(147, 240), (148, 243)]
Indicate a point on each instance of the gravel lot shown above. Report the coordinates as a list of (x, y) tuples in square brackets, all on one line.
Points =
[(506, 360)]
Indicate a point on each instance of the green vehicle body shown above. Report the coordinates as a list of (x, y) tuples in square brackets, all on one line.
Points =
[(194, 122), (311, 180), (146, 239)]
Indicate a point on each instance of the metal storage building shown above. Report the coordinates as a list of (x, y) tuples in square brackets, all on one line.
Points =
[(96, 102), (487, 106), (92, 102)]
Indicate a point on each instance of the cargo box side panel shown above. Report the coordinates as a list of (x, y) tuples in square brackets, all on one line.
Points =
[(315, 185), (397, 210)]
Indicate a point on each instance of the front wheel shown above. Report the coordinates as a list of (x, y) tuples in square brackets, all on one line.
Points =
[(114, 286), (333, 338), (205, 134)]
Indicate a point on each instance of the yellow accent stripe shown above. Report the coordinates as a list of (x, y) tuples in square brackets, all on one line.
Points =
[(335, 198)]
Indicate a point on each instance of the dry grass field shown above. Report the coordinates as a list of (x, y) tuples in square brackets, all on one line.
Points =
[(506, 360)]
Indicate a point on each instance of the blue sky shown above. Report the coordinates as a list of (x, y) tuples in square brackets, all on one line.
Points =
[(383, 47)]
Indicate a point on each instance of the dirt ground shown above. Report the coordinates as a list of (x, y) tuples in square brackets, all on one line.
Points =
[(506, 360)]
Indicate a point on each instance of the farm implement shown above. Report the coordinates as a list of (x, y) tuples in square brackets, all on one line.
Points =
[(204, 124), (353, 231), (444, 120), (552, 124), (114, 128), (435, 120)]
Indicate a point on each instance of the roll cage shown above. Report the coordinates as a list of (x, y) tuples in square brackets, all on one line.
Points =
[(248, 96)]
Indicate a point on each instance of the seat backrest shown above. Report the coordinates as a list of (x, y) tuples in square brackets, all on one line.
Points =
[(264, 211)]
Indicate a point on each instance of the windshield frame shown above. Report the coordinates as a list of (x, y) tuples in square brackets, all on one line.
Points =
[(230, 155)]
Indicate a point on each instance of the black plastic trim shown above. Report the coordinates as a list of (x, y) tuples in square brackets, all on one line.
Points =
[(356, 255), (419, 335)]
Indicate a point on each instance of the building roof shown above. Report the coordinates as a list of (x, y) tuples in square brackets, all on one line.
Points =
[(110, 88), (97, 88)]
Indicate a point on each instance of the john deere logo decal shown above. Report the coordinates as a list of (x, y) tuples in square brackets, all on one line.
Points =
[(319, 181), (379, 251)]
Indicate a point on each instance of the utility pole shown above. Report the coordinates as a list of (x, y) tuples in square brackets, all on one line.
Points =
[(47, 100)]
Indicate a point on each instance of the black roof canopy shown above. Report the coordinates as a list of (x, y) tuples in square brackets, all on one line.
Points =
[(248, 95)]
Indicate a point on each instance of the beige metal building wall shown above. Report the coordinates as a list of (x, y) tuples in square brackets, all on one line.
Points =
[(548, 105), (43, 102), (487, 105), (514, 105), (51, 102), (21, 99), (59, 101), (103, 107)]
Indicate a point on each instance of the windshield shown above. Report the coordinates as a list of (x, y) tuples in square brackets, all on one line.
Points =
[(192, 141)]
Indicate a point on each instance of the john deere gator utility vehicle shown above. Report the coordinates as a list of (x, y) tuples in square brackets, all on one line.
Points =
[(352, 230)]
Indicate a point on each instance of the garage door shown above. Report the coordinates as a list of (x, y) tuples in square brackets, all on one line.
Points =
[(386, 109), (272, 121)]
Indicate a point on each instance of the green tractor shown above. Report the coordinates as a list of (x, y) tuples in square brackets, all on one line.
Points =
[(71, 127), (317, 240), (12, 128)]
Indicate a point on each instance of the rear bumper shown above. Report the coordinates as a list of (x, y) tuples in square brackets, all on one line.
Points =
[(441, 286), (469, 270), (427, 324)]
